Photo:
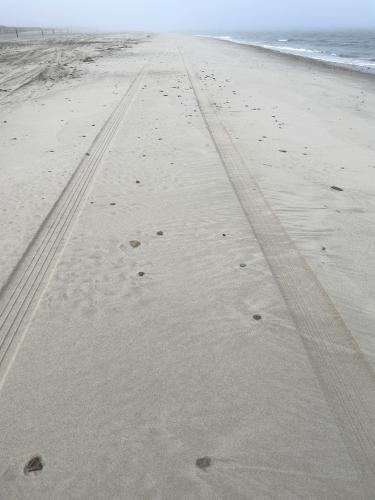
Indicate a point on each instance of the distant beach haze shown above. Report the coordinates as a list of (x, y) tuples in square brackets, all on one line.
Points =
[(172, 15)]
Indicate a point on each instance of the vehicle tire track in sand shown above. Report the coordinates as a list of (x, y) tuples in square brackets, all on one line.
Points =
[(20, 295), (346, 378)]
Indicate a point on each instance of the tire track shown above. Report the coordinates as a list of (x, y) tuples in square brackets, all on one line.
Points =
[(345, 376), (20, 295)]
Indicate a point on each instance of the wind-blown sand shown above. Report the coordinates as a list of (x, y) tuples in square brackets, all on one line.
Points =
[(187, 298)]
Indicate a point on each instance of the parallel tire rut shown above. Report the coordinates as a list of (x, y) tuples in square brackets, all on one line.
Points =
[(345, 376), (20, 295)]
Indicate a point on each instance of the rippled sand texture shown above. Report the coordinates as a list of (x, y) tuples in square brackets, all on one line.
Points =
[(187, 272)]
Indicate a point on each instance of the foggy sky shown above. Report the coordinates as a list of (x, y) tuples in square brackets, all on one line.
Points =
[(195, 15)]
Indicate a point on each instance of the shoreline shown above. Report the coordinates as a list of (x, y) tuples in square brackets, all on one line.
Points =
[(321, 62)]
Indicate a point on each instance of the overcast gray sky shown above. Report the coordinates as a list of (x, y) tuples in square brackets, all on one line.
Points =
[(197, 15)]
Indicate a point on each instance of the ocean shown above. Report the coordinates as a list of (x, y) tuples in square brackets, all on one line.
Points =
[(350, 48)]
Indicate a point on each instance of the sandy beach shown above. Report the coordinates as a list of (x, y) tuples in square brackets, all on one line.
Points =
[(186, 272)]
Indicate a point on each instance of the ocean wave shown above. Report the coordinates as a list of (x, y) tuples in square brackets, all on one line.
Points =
[(353, 60), (291, 49)]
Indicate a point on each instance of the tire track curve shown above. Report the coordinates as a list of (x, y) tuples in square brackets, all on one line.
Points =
[(20, 294), (345, 376)]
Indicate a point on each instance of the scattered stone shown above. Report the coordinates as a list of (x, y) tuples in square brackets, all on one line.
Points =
[(160, 233), (223, 234), (34, 465), (137, 182), (257, 317), (134, 243), (88, 59), (203, 462), (112, 203), (323, 248), (141, 273), (87, 154), (283, 150), (243, 265), (335, 188)]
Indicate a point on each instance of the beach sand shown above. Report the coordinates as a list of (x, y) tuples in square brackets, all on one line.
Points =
[(187, 272)]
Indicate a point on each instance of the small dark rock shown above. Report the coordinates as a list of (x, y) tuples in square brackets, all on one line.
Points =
[(141, 273), (160, 233), (336, 188), (134, 243), (257, 317), (34, 465), (242, 265), (203, 462)]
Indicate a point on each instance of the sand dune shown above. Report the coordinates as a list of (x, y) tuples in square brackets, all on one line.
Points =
[(186, 272)]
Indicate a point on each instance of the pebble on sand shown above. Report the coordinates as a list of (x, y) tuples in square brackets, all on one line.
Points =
[(335, 188), (160, 233), (203, 462), (34, 465), (257, 317), (243, 265), (134, 243)]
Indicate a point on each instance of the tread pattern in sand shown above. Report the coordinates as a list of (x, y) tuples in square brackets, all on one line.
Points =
[(345, 375), (20, 295)]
